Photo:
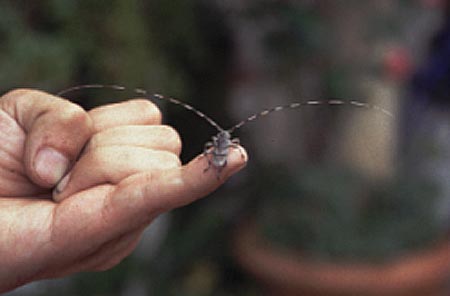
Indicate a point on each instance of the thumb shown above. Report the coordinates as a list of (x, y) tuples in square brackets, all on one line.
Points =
[(56, 132), (149, 193)]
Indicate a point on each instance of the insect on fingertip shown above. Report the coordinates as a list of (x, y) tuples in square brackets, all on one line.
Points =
[(219, 152)]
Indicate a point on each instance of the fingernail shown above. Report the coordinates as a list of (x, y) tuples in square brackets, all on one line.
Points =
[(239, 160), (50, 165), (62, 184), (60, 188)]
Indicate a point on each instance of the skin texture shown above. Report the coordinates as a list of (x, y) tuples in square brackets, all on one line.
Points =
[(78, 188)]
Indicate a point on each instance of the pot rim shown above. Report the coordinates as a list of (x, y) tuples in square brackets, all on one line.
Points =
[(413, 272)]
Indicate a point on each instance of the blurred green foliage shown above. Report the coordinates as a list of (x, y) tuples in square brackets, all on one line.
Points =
[(54, 44), (338, 214), (160, 45)]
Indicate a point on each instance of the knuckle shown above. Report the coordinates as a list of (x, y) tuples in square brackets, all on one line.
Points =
[(172, 137), (173, 160), (73, 116), (168, 160), (148, 109), (17, 93), (73, 113)]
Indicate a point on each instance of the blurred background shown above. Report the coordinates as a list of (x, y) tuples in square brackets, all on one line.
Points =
[(331, 185)]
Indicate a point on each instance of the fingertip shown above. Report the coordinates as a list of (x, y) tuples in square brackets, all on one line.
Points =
[(237, 160), (200, 177)]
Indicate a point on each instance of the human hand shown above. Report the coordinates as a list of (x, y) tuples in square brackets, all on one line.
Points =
[(127, 174)]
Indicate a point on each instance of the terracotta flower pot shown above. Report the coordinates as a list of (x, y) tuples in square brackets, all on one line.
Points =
[(282, 274)]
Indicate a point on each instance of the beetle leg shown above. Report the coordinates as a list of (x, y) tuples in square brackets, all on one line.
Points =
[(208, 151)]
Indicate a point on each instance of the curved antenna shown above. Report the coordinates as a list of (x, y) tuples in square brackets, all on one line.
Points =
[(90, 86), (145, 93), (309, 103)]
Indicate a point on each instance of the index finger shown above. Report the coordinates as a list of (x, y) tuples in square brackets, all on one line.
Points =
[(158, 192), (109, 211)]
